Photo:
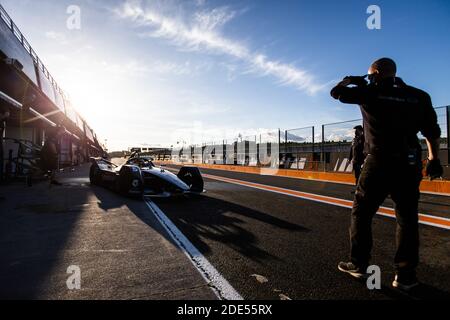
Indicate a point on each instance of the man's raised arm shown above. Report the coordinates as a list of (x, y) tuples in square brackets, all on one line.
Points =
[(351, 95)]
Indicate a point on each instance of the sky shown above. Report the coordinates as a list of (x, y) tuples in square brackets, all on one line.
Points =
[(158, 72)]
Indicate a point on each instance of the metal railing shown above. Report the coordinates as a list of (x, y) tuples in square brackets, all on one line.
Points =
[(4, 16), (16, 31)]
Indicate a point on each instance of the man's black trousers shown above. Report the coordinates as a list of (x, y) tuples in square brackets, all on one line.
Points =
[(357, 168), (379, 178)]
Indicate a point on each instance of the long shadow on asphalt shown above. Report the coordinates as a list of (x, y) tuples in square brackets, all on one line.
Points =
[(36, 224), (34, 228), (203, 218)]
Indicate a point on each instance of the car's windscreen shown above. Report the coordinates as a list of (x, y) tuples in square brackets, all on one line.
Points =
[(141, 162)]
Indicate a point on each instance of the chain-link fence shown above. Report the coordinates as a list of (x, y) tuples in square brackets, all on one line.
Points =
[(299, 150), (336, 144), (443, 114)]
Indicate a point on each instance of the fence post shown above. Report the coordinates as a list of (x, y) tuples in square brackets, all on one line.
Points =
[(279, 147), (323, 147), (285, 141), (448, 134), (202, 152)]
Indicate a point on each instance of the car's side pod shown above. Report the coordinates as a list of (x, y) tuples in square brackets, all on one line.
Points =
[(192, 177)]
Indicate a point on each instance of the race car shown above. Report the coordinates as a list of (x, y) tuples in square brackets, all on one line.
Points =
[(138, 176)]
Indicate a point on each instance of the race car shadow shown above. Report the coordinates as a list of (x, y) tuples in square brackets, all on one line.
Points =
[(208, 221)]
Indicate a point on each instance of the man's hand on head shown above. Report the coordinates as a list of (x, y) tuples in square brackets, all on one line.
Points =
[(345, 82), (355, 80), (335, 92), (340, 88)]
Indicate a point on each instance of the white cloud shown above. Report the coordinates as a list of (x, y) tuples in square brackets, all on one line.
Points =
[(57, 36), (134, 68), (202, 31), (200, 2)]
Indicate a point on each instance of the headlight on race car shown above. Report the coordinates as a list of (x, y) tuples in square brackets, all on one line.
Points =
[(134, 169)]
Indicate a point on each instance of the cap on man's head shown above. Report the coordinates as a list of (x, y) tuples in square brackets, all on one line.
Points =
[(358, 127), (385, 66), (5, 115)]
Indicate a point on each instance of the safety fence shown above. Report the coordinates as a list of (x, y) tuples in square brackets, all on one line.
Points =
[(319, 148)]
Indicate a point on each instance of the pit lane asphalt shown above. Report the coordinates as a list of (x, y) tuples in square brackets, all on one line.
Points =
[(123, 252), (272, 246)]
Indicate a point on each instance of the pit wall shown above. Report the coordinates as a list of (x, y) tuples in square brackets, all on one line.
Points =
[(439, 187)]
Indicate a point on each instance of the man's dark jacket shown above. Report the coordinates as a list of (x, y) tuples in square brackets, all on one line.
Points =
[(393, 114)]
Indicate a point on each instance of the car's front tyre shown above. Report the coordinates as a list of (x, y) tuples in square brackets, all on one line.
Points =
[(94, 175)]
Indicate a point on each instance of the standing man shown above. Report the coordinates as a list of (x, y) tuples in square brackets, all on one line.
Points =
[(357, 151), (50, 153), (3, 118), (393, 114)]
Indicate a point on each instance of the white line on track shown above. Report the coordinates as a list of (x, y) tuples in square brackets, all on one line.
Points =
[(435, 221), (221, 287)]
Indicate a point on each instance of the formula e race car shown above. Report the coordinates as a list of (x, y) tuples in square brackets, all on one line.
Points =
[(138, 176)]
